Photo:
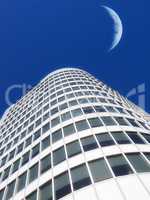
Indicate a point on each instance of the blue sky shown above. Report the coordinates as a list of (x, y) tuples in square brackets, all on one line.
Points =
[(38, 36)]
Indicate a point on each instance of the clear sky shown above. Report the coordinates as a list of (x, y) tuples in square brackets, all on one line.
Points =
[(38, 36)]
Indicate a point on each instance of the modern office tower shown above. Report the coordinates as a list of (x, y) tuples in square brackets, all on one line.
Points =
[(73, 138)]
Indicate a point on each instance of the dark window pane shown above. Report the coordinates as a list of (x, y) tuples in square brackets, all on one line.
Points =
[(1, 194), (25, 158), (76, 112), (55, 121), (46, 143), (89, 143), (45, 128), (46, 163), (6, 173), (80, 177), (46, 192), (62, 185), (133, 122), (100, 170), (36, 135), (68, 130), (135, 137), (59, 156), (138, 162), (95, 122), (147, 154), (99, 109), (33, 173), (120, 138), (28, 141), (21, 182), (121, 121), (73, 148), (57, 135), (82, 125), (15, 165), (35, 150), (65, 116), (10, 190), (108, 121), (104, 139), (119, 165), (146, 136), (88, 110), (32, 196)]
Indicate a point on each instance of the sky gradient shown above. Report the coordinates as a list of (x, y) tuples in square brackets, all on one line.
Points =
[(37, 37)]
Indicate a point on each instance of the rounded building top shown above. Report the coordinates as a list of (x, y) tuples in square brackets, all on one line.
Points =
[(61, 70)]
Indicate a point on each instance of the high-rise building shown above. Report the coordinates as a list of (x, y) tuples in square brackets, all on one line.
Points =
[(73, 138)]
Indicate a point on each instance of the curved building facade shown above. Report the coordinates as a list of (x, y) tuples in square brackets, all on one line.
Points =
[(72, 137)]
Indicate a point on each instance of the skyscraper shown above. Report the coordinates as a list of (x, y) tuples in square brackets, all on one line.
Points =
[(72, 137)]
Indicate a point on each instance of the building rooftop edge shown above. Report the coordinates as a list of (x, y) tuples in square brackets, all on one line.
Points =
[(61, 70)]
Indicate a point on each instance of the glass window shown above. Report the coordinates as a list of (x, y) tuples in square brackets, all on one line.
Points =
[(73, 148), (38, 122), (105, 139), (46, 191), (45, 128), (89, 143), (110, 109), (80, 177), (54, 111), (135, 137), (146, 136), (46, 116), (62, 185), (119, 165), (1, 194), (6, 173), (32, 196), (68, 130), (121, 121), (55, 121), (95, 122), (133, 122), (147, 154), (59, 156), (120, 138), (46, 143), (99, 109), (77, 112), (11, 155), (63, 106), (100, 170), (16, 166), (21, 182), (65, 116), (33, 173), (46, 163), (73, 103), (88, 110), (108, 121), (57, 135), (20, 148), (138, 162), (82, 125), (36, 135), (28, 141), (10, 190), (35, 150), (82, 101), (25, 158)]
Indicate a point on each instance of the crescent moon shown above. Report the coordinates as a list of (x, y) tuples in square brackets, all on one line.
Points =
[(118, 27)]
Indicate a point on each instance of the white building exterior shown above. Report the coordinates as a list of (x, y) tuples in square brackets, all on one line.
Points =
[(72, 137)]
